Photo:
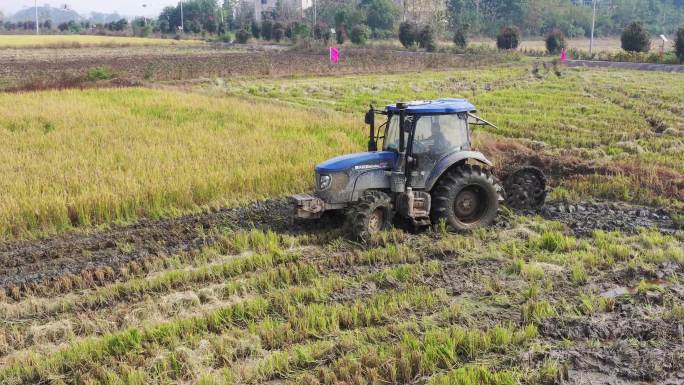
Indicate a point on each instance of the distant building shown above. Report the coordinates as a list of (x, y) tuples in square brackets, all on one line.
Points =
[(295, 8)]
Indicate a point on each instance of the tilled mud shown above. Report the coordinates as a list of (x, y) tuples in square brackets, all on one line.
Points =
[(585, 217), (25, 265), (620, 348), (611, 326), (97, 256)]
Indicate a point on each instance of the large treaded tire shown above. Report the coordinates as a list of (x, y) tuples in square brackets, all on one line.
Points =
[(526, 189), (468, 184), (362, 216)]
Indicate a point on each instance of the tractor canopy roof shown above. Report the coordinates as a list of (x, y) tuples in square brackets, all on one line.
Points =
[(437, 106)]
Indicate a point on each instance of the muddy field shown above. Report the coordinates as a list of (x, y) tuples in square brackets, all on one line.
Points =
[(591, 299), (48, 68), (97, 257)]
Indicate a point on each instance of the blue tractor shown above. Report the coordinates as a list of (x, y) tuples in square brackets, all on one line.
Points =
[(425, 172)]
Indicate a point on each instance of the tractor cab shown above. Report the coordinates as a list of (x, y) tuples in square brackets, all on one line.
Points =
[(419, 166), (431, 130)]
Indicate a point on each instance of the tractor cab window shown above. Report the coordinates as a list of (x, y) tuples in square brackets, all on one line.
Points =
[(438, 134), (391, 142)]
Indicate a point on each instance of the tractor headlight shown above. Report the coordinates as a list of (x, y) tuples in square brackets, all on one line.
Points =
[(324, 182)]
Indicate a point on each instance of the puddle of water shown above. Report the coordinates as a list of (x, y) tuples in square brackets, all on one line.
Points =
[(615, 292), (623, 290)]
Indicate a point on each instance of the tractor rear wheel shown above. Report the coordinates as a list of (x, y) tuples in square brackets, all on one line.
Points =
[(370, 214), (466, 198)]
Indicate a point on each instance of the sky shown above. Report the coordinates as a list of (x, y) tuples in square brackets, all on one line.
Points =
[(84, 7)]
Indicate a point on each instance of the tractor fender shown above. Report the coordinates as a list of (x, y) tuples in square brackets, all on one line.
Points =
[(370, 180), (449, 160)]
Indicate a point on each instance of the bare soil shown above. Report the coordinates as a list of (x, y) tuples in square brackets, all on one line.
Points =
[(66, 68)]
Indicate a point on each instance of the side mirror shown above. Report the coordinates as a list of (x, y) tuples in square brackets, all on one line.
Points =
[(370, 117)]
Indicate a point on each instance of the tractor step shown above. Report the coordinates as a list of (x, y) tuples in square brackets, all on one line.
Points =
[(414, 204)]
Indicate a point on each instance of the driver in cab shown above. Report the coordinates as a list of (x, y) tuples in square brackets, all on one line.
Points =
[(436, 142)]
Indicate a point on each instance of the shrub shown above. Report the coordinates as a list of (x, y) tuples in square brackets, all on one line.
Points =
[(278, 31), (679, 44), (99, 73), (296, 30), (256, 29), (408, 33), (267, 29), (426, 38), (341, 34), (225, 37), (321, 31), (359, 34), (555, 41), (242, 36), (635, 38), (508, 38), (461, 38)]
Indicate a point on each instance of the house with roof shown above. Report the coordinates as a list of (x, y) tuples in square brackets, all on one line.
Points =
[(259, 7)]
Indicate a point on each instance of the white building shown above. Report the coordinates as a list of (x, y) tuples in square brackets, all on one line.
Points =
[(295, 7)]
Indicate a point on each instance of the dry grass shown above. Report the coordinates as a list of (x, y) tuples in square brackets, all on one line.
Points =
[(75, 158)]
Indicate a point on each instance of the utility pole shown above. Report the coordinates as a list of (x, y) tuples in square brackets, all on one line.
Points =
[(314, 19), (593, 23), (37, 26), (182, 21)]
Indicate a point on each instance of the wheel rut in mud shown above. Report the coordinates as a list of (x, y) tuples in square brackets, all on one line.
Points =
[(27, 264)]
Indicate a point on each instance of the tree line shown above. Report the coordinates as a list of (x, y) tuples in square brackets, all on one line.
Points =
[(477, 17), (382, 18), (138, 27)]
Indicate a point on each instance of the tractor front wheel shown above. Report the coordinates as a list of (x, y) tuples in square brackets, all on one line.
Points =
[(465, 198), (370, 214)]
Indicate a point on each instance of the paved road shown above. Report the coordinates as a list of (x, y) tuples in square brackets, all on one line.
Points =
[(626, 65)]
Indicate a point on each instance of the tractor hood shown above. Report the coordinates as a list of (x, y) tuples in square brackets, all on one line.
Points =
[(358, 161)]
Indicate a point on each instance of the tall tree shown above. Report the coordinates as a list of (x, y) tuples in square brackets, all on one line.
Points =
[(198, 16), (380, 14), (455, 10)]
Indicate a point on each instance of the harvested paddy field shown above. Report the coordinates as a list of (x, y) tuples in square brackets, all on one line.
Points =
[(31, 69), (523, 302), (146, 240), (83, 41)]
